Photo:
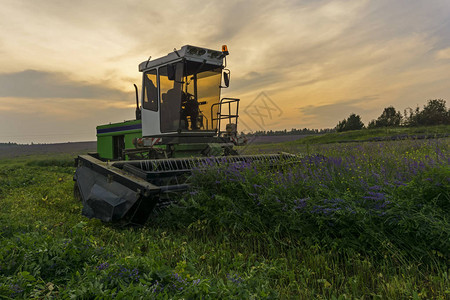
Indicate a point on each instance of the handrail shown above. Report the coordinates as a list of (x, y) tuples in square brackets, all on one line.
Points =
[(228, 116)]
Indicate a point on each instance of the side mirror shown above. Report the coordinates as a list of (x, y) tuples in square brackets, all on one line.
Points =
[(226, 78), (171, 72)]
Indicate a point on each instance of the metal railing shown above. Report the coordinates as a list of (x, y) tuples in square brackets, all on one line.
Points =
[(230, 116)]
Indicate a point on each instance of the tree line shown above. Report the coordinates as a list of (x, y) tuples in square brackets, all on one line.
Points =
[(8, 144), (434, 112), (293, 131)]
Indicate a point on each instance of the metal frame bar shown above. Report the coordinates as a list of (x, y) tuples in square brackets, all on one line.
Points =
[(221, 116)]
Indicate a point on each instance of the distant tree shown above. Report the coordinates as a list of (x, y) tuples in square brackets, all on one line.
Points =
[(410, 118), (353, 122), (389, 118), (291, 132), (434, 113), (8, 144), (341, 126)]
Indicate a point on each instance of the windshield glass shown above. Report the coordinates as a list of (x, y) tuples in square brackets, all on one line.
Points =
[(201, 90), (188, 92)]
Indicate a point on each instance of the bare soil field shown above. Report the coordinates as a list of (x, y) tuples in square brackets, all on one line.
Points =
[(9, 151)]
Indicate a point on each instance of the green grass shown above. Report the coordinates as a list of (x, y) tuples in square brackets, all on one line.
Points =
[(375, 134), (317, 143), (229, 247)]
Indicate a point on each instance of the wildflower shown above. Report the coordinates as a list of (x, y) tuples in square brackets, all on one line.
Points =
[(103, 266), (234, 278), (15, 289), (157, 287), (375, 188), (300, 203), (375, 196), (399, 183)]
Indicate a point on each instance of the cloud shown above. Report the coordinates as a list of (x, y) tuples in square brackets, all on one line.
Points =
[(255, 81), (443, 53), (330, 114), (26, 120), (43, 84), (325, 56), (345, 105)]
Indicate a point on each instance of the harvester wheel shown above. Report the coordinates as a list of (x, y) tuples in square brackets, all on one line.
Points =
[(76, 192)]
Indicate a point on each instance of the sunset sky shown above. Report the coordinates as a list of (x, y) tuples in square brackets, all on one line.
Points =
[(67, 66)]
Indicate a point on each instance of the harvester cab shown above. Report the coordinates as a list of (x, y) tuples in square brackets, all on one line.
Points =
[(180, 106), (181, 93), (181, 124)]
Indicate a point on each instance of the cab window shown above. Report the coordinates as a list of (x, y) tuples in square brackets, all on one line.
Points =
[(150, 99)]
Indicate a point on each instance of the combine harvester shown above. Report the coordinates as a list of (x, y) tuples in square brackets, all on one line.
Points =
[(181, 124)]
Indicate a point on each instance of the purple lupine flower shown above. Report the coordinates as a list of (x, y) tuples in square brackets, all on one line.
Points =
[(375, 188), (375, 196), (16, 289), (399, 183), (300, 203), (235, 278), (103, 266)]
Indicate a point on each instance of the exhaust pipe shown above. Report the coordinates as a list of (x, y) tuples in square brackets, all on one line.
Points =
[(138, 110)]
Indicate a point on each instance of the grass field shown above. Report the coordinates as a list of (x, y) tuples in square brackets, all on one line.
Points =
[(351, 220)]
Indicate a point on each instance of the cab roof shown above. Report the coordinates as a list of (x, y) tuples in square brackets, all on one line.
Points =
[(192, 53)]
